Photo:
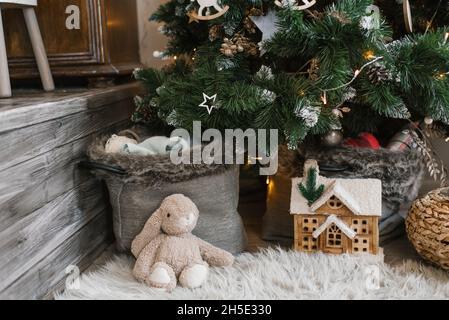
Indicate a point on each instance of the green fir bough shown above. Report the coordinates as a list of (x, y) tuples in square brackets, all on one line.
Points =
[(313, 55), (310, 190)]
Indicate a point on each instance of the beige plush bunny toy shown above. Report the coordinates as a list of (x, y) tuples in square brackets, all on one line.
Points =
[(166, 250)]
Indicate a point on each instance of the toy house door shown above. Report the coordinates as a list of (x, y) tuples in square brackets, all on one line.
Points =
[(334, 240)]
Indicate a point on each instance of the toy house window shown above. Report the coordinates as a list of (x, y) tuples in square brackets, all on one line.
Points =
[(309, 225), (309, 244), (360, 226), (334, 203), (334, 237), (360, 245)]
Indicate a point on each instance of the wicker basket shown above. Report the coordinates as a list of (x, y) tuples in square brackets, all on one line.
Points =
[(428, 227)]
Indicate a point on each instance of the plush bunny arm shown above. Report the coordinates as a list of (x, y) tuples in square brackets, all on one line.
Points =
[(135, 149), (146, 259), (214, 256), (150, 231)]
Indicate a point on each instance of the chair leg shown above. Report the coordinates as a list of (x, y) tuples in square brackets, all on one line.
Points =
[(5, 82), (38, 48)]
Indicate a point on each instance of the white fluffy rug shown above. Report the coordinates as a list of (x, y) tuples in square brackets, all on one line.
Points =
[(279, 274)]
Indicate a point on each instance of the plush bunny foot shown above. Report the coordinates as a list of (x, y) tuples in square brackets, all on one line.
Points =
[(193, 276), (161, 276)]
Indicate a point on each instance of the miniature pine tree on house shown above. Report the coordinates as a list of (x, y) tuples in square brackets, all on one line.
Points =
[(310, 190), (305, 72)]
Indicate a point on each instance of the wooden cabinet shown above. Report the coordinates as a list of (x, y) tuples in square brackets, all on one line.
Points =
[(105, 46)]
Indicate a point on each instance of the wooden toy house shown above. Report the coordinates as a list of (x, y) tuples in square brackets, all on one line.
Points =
[(335, 215)]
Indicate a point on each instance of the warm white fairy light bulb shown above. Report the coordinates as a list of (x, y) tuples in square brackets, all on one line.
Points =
[(428, 120), (158, 54), (324, 98)]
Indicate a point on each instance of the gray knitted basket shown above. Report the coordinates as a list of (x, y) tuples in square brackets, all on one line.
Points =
[(137, 185)]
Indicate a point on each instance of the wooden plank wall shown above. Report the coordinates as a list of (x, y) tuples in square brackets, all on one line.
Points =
[(52, 214)]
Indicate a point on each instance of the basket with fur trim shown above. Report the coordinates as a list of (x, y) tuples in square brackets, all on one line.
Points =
[(138, 184), (428, 227)]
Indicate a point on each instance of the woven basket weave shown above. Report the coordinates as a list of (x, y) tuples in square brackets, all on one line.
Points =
[(428, 227)]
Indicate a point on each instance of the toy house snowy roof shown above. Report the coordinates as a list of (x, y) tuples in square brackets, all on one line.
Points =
[(362, 196), (335, 189)]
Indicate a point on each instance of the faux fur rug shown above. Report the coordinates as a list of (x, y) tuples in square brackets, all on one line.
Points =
[(279, 274)]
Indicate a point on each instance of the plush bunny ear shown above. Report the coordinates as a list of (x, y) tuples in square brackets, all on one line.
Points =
[(150, 231)]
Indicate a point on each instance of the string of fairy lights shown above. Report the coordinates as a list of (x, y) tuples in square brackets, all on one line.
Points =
[(369, 55), (357, 72)]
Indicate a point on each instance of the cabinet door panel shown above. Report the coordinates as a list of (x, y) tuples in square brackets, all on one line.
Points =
[(63, 45), (119, 13)]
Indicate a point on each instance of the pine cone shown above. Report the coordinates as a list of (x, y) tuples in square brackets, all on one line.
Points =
[(255, 12), (315, 14), (319, 15), (253, 49), (378, 74), (340, 17), (228, 48), (249, 26), (238, 44), (215, 32), (314, 69)]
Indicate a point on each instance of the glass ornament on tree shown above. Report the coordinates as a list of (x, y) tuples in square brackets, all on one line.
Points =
[(333, 138)]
